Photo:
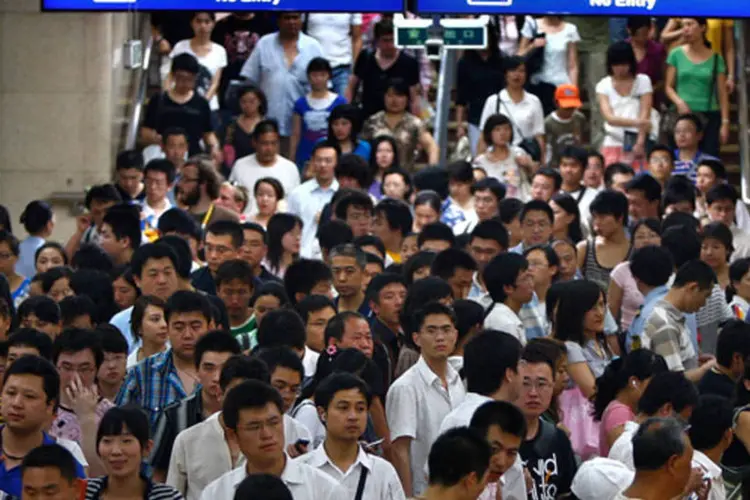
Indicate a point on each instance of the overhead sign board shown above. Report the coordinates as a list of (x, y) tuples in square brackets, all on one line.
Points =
[(619, 8), (224, 5)]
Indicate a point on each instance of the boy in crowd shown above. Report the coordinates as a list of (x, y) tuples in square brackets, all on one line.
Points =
[(120, 233), (50, 467), (159, 176), (392, 222), (316, 311), (307, 277), (41, 313), (722, 204), (566, 126), (435, 237), (459, 464), (536, 220), (114, 364), (545, 183), (573, 161), (223, 242), (510, 286), (457, 268), (235, 286), (129, 175), (661, 164), (732, 349), (347, 267), (688, 133)]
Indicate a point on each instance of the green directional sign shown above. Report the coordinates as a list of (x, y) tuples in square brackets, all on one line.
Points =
[(411, 37), (465, 37)]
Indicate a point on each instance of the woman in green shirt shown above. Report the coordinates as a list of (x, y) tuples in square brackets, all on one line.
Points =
[(696, 83)]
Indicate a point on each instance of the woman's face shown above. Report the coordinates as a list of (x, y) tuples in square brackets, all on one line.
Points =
[(714, 253), (644, 237), (7, 260), (562, 218), (516, 78), (424, 214), (409, 247), (154, 325), (291, 240), (501, 135), (384, 155), (265, 304), (621, 70), (395, 102), (265, 197), (566, 254), (395, 187), (203, 24), (125, 293), (48, 258), (691, 30), (122, 455), (342, 129), (562, 378), (250, 104), (61, 289), (593, 320)]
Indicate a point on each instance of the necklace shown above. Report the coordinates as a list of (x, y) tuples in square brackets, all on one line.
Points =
[(11, 457)]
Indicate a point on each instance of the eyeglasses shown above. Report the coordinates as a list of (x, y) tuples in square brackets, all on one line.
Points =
[(538, 385)]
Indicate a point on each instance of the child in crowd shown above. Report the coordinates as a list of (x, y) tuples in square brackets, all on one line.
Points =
[(566, 126)]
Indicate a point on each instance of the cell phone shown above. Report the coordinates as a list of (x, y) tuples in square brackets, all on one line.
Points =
[(375, 443), (300, 444)]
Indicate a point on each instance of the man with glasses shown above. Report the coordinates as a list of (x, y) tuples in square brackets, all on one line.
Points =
[(537, 220), (223, 242), (158, 176), (546, 451)]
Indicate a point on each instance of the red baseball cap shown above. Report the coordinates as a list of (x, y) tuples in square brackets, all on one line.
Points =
[(567, 96)]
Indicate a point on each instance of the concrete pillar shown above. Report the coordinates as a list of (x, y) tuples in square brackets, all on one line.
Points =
[(61, 88)]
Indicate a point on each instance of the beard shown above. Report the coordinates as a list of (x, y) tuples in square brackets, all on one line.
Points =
[(190, 198)]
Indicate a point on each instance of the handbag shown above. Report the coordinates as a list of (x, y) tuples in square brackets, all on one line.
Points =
[(534, 59), (529, 145)]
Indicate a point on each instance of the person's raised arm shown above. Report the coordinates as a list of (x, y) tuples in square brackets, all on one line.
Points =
[(671, 33)]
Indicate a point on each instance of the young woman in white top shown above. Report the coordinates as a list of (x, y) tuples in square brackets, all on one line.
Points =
[(149, 327), (738, 291), (560, 66), (625, 99), (211, 56)]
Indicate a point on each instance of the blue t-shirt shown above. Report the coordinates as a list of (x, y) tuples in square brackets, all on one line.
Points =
[(10, 480), (314, 125)]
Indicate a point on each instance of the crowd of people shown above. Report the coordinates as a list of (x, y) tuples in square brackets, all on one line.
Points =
[(283, 296)]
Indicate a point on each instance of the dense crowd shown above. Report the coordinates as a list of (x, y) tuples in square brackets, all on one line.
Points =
[(283, 296)]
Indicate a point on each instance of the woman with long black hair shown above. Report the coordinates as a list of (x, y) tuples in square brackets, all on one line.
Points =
[(284, 240), (567, 224), (344, 126)]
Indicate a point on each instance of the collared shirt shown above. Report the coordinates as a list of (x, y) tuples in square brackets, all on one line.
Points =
[(154, 491), (310, 362), (153, 384), (533, 315), (382, 482), (519, 249), (307, 201), (26, 264), (121, 321), (67, 426), (304, 483), (203, 281), (503, 318), (416, 405), (665, 333), (636, 326), (406, 133), (478, 293), (150, 215), (175, 418), (282, 83), (740, 242), (718, 490), (689, 168)]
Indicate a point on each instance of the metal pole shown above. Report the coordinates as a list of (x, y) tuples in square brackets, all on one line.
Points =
[(445, 86), (742, 37)]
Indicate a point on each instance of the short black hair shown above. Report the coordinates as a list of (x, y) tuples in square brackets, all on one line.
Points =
[(161, 165), (419, 260), (337, 325), (176, 220), (112, 340), (492, 122), (38, 367), (487, 358), (492, 185), (313, 303), (40, 306), (678, 189), (51, 456), (652, 265), (579, 154), (243, 367), (281, 357), (36, 216), (537, 206), (537, 353), (76, 306), (264, 486), (734, 338), (152, 251), (333, 233), (691, 117), (551, 173), (456, 454), (129, 158), (250, 394), (355, 167), (614, 169), (119, 419), (370, 240), (215, 341), (28, 337), (282, 327), (505, 415), (668, 387), (319, 64), (184, 301), (695, 271), (255, 227), (12, 242), (302, 276), (448, 261), (502, 271), (184, 255), (682, 242), (460, 171), (492, 229), (610, 202), (381, 281), (125, 221), (351, 251), (645, 183), (350, 198), (51, 276), (656, 441), (433, 309), (716, 166), (92, 256), (185, 62), (710, 421), (76, 340), (469, 315), (720, 232), (235, 269), (336, 382), (229, 228), (436, 231), (721, 192), (102, 193), (661, 148), (621, 53), (266, 126), (397, 214)]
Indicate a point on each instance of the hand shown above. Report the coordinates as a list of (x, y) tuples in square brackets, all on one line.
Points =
[(695, 481), (524, 160), (83, 222), (683, 108), (529, 480), (706, 358), (498, 491), (460, 131), (83, 399), (296, 450), (731, 85), (164, 47), (639, 150), (539, 42), (724, 133), (217, 157)]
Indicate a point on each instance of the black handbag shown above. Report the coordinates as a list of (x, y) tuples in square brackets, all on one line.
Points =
[(529, 145)]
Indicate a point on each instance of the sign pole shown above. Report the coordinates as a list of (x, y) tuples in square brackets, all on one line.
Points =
[(446, 78)]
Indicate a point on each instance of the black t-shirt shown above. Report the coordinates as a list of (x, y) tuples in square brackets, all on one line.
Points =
[(717, 383), (375, 80), (173, 26), (194, 117), (551, 462), (239, 37)]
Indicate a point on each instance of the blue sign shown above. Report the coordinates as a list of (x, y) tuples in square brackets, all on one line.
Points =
[(619, 8), (225, 5)]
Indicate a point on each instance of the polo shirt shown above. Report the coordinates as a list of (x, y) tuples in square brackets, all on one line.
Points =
[(307, 201)]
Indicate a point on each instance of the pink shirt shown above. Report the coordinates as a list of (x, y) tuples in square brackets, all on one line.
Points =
[(632, 298), (615, 415)]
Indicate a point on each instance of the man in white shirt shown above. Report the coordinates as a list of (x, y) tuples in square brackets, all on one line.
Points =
[(491, 371), (572, 165), (419, 400), (158, 177), (344, 400), (309, 198), (488, 239), (510, 285), (711, 434), (459, 465), (265, 162), (253, 416), (721, 201), (340, 36)]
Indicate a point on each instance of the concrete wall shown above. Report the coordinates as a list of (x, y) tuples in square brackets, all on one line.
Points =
[(61, 87)]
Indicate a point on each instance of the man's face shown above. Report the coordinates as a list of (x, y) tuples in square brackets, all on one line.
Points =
[(461, 282), (288, 383), (437, 337), (483, 251), (593, 176), (15, 352), (129, 179), (260, 434), (347, 275), (76, 366), (236, 295), (380, 227), (47, 483), (209, 370), (346, 415), (316, 326), (505, 448), (722, 211), (33, 321), (542, 188), (523, 289), (639, 207), (660, 165), (290, 24), (680, 467), (97, 209), (253, 249), (357, 335), (157, 186), (219, 248), (109, 242), (390, 302), (158, 278), (324, 161), (686, 135), (176, 149), (536, 228), (372, 269), (189, 189), (25, 405), (113, 368), (359, 219), (267, 147), (185, 330), (571, 171), (386, 44), (695, 297), (536, 390), (619, 181), (705, 179), (485, 204), (184, 81)]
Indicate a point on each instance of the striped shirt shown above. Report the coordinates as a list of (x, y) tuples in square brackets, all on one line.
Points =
[(689, 168), (154, 491), (174, 419), (152, 384), (665, 333)]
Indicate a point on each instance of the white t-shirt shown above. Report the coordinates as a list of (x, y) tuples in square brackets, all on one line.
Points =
[(212, 62), (333, 32), (527, 116), (502, 318), (247, 171), (555, 66), (623, 106)]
